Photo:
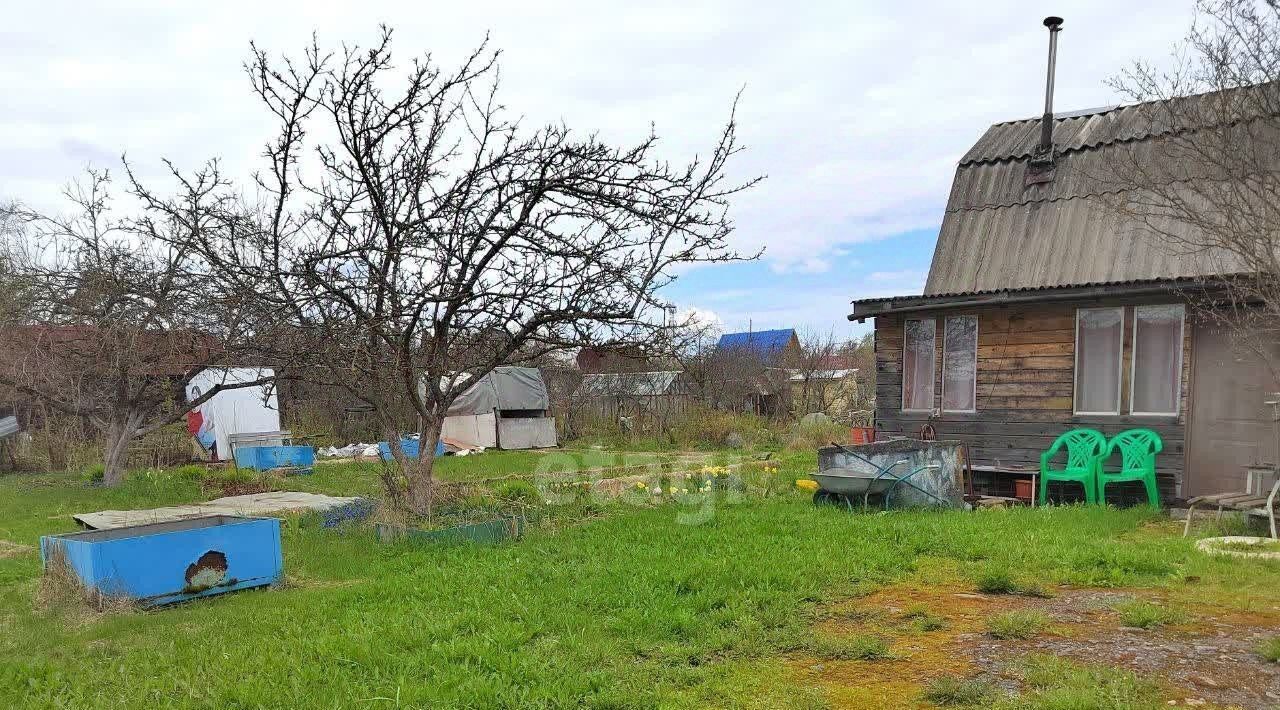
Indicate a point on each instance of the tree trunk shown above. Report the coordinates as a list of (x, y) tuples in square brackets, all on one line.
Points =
[(421, 472), (395, 473), (120, 432)]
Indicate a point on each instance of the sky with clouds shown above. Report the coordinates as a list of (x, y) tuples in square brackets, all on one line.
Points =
[(856, 111)]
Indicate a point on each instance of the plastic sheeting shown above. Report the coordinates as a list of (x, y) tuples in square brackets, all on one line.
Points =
[(504, 388), (472, 430), (237, 411), (526, 432)]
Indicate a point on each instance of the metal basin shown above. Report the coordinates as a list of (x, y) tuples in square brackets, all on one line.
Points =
[(851, 482)]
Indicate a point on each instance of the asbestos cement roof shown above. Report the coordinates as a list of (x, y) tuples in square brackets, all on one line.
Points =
[(1001, 233)]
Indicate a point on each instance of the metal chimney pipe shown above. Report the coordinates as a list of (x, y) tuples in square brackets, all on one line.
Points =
[(1046, 122)]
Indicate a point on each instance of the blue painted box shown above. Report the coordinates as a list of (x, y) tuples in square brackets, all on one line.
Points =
[(162, 563), (409, 446), (265, 458)]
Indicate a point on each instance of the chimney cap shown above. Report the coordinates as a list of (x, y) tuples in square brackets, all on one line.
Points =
[(1053, 23)]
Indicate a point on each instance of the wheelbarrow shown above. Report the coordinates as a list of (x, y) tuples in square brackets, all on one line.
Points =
[(844, 484)]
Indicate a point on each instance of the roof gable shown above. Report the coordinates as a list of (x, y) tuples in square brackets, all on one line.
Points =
[(1000, 233)]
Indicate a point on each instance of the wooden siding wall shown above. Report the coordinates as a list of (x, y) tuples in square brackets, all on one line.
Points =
[(1025, 388)]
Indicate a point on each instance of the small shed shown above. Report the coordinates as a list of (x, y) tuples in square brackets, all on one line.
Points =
[(244, 410), (627, 394), (506, 409)]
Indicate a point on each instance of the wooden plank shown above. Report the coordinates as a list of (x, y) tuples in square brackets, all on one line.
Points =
[(1046, 376), (1034, 443), (1034, 336), (993, 416), (1028, 363), (1019, 323), (1024, 403), (1022, 389), (1047, 431), (1024, 350)]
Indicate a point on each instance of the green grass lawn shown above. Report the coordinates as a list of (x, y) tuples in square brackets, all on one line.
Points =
[(623, 606)]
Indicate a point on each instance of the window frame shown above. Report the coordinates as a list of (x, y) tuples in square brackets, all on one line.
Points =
[(1075, 367), (946, 323), (933, 368), (1133, 360)]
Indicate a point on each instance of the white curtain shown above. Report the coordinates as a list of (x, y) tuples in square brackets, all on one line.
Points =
[(917, 364), (959, 363), (1099, 334), (1157, 358)]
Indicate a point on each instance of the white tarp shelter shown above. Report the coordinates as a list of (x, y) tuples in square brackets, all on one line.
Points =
[(506, 409), (237, 411)]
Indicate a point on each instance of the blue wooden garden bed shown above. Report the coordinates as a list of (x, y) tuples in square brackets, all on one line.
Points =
[(266, 458), (162, 563)]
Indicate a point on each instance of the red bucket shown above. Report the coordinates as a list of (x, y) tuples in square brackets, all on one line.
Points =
[(862, 434)]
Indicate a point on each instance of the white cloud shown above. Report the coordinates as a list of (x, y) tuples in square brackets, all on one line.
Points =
[(699, 316), (800, 265), (857, 112)]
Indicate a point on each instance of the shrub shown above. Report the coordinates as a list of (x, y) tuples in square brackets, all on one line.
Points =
[(59, 443), (1270, 649), (229, 474), (191, 472), (93, 473), (995, 580), (810, 435), (703, 428), (517, 494), (1017, 624), (998, 580), (952, 691), (1145, 615), (229, 480)]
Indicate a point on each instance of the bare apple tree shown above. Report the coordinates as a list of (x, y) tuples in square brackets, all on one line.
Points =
[(1209, 186), (816, 375), (104, 319), (413, 234)]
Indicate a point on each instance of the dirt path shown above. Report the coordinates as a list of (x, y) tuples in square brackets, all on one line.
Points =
[(1205, 660)]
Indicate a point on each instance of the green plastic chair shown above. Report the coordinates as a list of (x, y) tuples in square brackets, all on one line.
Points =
[(1138, 449), (1084, 446)]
